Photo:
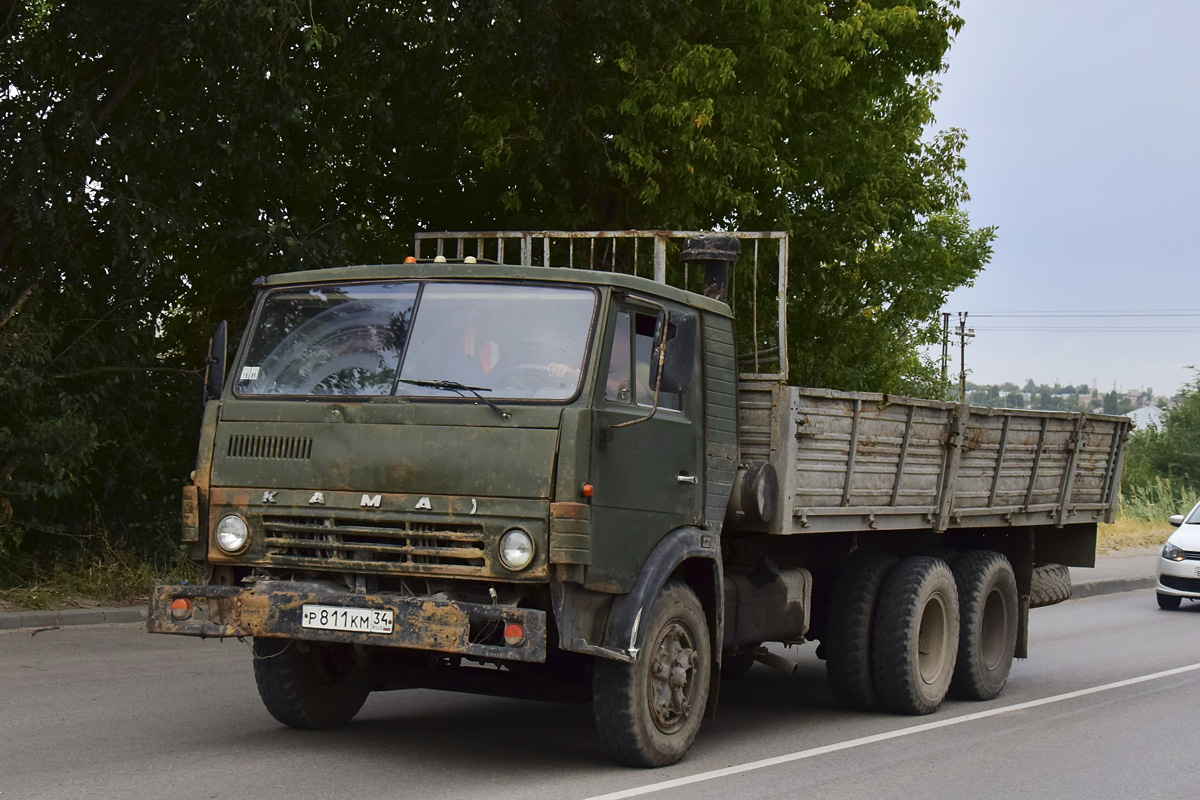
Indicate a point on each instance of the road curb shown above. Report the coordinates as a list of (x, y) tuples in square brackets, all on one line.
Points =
[(1111, 586), (16, 620)]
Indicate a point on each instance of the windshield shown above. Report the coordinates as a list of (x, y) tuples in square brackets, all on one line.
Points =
[(497, 341)]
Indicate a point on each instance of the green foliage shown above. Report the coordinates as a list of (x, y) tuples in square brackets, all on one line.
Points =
[(1114, 403), (157, 156), (1157, 500), (1171, 452), (112, 577), (1041, 396)]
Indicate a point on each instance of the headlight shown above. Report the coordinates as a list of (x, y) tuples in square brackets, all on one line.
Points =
[(1172, 553), (232, 534), (516, 549)]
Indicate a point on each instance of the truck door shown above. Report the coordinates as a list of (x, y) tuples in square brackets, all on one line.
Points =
[(648, 476)]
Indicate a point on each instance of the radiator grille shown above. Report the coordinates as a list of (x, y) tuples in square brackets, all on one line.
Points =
[(399, 547), (1191, 555), (297, 448)]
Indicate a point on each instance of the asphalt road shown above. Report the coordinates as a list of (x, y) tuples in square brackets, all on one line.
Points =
[(1106, 708)]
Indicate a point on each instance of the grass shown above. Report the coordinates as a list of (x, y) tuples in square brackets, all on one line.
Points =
[(1142, 519), (117, 579), (1127, 534)]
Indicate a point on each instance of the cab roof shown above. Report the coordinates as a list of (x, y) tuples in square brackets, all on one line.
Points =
[(483, 271)]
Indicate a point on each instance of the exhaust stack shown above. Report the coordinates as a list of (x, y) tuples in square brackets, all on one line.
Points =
[(718, 254)]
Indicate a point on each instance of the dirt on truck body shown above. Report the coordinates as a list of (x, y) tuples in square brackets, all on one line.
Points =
[(548, 464)]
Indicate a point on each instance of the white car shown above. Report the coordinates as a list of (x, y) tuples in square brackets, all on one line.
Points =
[(1179, 562)]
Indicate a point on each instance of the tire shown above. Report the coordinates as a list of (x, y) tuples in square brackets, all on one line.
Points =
[(308, 685), (987, 634), (648, 712), (915, 636), (848, 631), (1168, 602), (1051, 585)]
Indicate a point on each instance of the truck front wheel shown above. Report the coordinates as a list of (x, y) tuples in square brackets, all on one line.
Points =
[(987, 595), (649, 711), (308, 685), (915, 636)]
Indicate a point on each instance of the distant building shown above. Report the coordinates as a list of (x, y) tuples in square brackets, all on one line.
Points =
[(1136, 397), (1146, 416)]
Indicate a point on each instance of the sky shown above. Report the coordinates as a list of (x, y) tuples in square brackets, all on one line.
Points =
[(1083, 118)]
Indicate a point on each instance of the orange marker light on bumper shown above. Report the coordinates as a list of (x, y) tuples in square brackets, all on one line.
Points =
[(587, 490), (181, 608), (514, 634)]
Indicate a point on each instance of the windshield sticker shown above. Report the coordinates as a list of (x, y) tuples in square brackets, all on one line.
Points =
[(250, 373)]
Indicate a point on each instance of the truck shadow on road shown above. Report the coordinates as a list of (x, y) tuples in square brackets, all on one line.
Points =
[(448, 731)]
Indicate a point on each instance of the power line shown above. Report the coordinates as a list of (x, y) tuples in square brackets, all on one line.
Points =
[(1084, 314), (1081, 329)]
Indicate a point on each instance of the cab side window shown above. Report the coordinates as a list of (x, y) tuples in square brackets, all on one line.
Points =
[(628, 380)]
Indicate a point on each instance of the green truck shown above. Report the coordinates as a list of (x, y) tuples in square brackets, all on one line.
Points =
[(534, 464)]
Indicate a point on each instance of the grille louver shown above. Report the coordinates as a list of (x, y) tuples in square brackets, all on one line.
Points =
[(398, 547), (296, 448)]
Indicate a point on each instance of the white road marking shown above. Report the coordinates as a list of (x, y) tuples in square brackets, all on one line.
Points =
[(881, 737)]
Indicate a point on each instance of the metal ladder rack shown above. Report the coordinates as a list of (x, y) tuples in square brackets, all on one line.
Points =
[(635, 252)]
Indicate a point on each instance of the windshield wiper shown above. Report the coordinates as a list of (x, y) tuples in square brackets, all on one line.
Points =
[(455, 386)]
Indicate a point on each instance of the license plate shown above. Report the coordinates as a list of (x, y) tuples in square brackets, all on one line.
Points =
[(1198, 572), (337, 618)]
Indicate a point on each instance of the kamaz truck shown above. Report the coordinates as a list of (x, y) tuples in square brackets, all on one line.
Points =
[(553, 465)]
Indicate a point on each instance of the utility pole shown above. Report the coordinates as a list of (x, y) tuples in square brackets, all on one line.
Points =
[(963, 334), (945, 355)]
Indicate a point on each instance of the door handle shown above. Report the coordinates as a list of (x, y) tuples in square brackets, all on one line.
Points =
[(692, 479)]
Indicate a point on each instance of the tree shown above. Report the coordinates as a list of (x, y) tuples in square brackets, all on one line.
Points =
[(1112, 402), (157, 156), (1171, 451)]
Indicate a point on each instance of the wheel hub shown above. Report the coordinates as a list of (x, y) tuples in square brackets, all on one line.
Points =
[(671, 678)]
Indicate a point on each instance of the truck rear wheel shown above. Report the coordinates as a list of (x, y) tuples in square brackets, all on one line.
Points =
[(987, 596), (308, 685), (915, 636), (848, 638), (648, 712)]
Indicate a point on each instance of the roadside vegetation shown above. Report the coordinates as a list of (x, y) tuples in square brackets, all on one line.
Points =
[(117, 576), (157, 156), (1161, 477)]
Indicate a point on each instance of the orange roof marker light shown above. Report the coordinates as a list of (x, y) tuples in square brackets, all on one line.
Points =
[(410, 260)]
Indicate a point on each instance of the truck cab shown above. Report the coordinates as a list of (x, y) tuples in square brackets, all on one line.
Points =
[(465, 475)]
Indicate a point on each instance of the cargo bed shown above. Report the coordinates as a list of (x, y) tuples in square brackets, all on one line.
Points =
[(851, 461)]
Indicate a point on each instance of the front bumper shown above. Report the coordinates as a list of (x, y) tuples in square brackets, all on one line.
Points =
[(1179, 578), (273, 609)]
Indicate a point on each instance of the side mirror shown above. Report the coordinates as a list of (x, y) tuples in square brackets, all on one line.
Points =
[(1176, 520), (214, 372), (681, 332)]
